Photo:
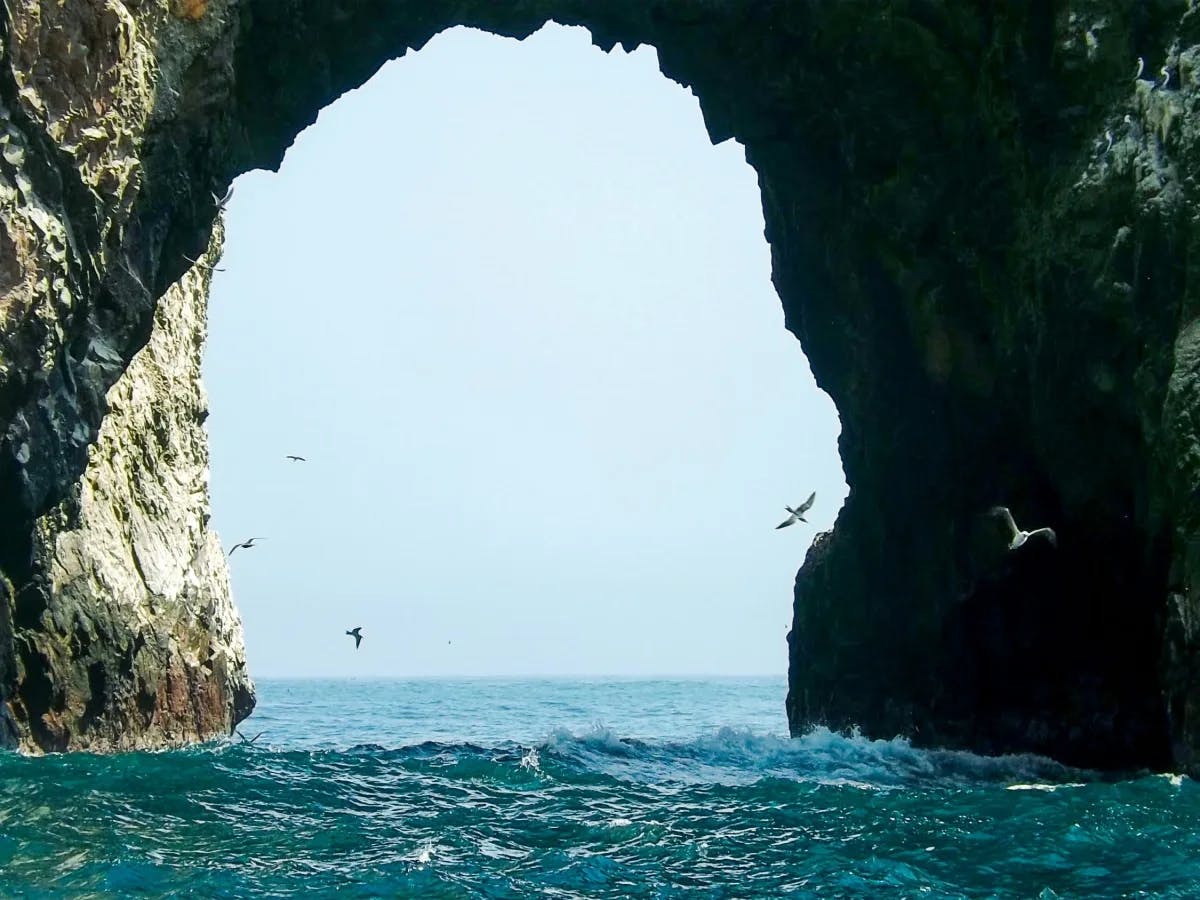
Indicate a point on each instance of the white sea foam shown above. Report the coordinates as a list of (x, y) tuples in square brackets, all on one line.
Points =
[(425, 854), (531, 760), (820, 756)]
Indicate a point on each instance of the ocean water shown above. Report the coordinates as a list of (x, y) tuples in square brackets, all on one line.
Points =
[(578, 788)]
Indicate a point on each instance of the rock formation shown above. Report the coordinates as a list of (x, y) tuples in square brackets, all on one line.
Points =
[(996, 298)]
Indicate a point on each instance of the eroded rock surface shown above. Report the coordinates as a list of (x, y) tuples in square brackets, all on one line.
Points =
[(981, 228), (118, 630), (137, 643)]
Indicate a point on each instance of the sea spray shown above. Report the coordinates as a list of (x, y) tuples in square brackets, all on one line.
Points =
[(396, 806)]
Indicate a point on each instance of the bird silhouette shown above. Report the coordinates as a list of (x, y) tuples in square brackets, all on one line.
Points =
[(1019, 537), (356, 633), (295, 458), (246, 740), (797, 514), (247, 544)]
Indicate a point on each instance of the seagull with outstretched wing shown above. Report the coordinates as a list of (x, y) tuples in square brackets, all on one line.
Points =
[(797, 514), (356, 633), (1019, 537), (246, 545)]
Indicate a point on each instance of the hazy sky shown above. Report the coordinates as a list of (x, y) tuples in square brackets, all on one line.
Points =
[(516, 310)]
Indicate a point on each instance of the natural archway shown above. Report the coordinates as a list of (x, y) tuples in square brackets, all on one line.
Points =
[(993, 294), (531, 352)]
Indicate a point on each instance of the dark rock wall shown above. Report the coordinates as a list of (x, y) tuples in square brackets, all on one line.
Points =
[(1025, 288), (997, 300)]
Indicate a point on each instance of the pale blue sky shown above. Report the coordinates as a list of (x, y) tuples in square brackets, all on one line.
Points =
[(516, 310)]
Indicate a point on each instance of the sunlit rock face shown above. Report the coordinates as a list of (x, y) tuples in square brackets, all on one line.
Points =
[(136, 642), (994, 294)]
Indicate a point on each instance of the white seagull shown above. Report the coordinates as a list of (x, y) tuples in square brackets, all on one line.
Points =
[(222, 202), (797, 514), (1019, 537)]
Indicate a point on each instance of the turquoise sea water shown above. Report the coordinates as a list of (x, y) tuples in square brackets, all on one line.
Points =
[(593, 788)]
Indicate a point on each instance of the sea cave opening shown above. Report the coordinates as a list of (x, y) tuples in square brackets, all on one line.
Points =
[(515, 310)]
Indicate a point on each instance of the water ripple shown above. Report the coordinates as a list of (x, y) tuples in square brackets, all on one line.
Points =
[(589, 813)]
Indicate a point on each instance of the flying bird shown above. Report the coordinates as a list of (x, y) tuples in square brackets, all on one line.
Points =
[(1019, 537), (249, 544), (222, 202), (246, 740), (797, 514), (356, 633), (203, 265), (295, 458)]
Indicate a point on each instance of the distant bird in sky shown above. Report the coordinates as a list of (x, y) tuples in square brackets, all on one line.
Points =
[(222, 202), (356, 633), (1019, 537), (246, 740), (797, 514), (295, 458), (248, 544)]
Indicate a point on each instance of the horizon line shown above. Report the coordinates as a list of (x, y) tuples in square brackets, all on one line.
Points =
[(675, 676)]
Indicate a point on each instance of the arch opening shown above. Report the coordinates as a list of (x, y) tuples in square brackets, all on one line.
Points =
[(546, 388)]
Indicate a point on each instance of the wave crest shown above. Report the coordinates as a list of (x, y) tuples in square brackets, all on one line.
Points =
[(821, 756)]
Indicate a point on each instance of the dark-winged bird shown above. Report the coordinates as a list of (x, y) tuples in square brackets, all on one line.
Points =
[(797, 514), (295, 458), (357, 635), (247, 545), (246, 740)]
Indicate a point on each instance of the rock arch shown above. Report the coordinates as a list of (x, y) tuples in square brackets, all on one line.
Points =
[(995, 297)]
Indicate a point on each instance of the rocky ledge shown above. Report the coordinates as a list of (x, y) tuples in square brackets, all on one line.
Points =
[(981, 224)]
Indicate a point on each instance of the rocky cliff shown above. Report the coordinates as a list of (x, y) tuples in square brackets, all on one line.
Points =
[(980, 224)]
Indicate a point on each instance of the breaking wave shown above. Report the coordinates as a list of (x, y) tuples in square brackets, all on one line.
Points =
[(390, 789)]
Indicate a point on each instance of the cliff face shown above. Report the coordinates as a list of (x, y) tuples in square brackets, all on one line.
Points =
[(996, 298), (138, 643), (117, 629), (1024, 280)]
